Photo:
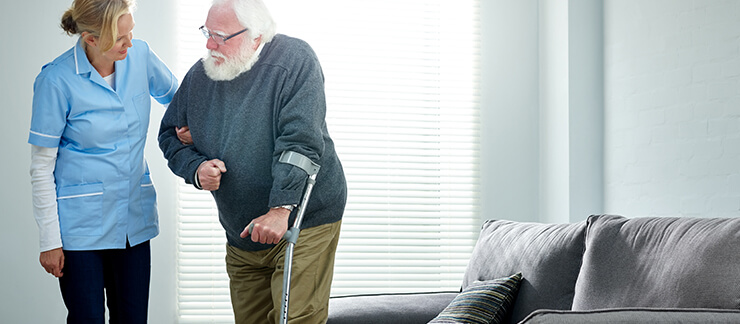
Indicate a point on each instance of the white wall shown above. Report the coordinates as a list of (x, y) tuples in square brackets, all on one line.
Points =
[(32, 38), (542, 110), (510, 110), (672, 140), (571, 110), (629, 107)]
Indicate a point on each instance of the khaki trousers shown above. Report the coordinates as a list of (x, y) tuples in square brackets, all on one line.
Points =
[(256, 279)]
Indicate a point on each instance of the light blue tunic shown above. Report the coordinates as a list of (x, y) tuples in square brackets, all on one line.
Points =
[(104, 192)]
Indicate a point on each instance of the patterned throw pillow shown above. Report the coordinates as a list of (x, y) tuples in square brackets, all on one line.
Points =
[(482, 302)]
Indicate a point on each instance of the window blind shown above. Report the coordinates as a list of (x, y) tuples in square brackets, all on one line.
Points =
[(402, 98)]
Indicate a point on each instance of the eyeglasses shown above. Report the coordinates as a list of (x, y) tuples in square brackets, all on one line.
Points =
[(219, 39)]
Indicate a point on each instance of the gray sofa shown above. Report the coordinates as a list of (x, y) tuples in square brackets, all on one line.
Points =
[(607, 269)]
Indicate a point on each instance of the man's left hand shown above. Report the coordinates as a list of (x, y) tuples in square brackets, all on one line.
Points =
[(269, 228)]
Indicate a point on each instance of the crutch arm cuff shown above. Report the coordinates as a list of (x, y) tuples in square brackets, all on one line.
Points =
[(301, 161)]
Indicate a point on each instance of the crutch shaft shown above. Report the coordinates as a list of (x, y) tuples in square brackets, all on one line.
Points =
[(291, 236)]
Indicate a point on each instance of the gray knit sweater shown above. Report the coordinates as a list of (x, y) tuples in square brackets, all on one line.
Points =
[(248, 122)]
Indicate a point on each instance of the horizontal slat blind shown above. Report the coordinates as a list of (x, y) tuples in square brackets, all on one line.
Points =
[(401, 85)]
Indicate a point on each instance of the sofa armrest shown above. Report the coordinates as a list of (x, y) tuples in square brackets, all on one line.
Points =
[(635, 315), (388, 308)]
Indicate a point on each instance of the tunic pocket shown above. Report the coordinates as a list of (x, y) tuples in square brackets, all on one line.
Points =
[(142, 105), (81, 209), (148, 201)]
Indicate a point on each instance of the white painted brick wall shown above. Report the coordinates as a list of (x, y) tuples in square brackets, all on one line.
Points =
[(672, 107)]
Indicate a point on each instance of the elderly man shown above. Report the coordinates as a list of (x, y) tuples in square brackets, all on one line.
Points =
[(255, 95)]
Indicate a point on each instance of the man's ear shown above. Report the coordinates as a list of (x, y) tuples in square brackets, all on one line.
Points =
[(257, 42)]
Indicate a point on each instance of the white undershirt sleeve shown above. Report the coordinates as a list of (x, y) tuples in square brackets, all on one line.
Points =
[(43, 189)]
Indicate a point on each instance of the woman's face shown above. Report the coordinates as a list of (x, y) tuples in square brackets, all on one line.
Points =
[(123, 39)]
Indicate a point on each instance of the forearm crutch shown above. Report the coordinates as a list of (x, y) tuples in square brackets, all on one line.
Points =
[(291, 236)]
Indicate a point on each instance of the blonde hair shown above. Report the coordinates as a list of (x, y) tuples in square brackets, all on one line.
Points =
[(97, 17)]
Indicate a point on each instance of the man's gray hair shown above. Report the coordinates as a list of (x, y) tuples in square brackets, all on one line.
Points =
[(254, 15)]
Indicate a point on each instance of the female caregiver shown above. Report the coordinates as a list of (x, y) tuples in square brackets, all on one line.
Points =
[(93, 199)]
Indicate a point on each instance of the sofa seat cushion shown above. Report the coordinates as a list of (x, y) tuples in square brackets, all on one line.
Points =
[(660, 262), (547, 255), (410, 308), (483, 302), (635, 315)]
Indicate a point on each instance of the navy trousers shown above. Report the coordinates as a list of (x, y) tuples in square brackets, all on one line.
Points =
[(121, 275)]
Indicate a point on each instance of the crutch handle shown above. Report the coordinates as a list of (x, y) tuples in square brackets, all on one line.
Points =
[(290, 235)]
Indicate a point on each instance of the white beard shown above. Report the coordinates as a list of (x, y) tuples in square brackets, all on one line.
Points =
[(229, 69)]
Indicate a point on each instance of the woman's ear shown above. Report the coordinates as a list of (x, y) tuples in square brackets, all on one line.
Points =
[(89, 39)]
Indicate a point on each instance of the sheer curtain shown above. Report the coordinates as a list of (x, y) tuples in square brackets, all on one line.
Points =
[(402, 98)]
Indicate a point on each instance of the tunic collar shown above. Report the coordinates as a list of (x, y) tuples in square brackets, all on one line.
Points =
[(82, 65)]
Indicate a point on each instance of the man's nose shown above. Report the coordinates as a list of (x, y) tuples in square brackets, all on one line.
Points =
[(211, 44)]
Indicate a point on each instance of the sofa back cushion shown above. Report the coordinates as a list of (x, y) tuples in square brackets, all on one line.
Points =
[(547, 255), (660, 262)]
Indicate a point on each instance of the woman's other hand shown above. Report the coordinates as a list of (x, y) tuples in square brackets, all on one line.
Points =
[(53, 261), (183, 134)]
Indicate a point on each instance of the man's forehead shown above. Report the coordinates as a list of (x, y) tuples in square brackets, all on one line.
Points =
[(221, 18)]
